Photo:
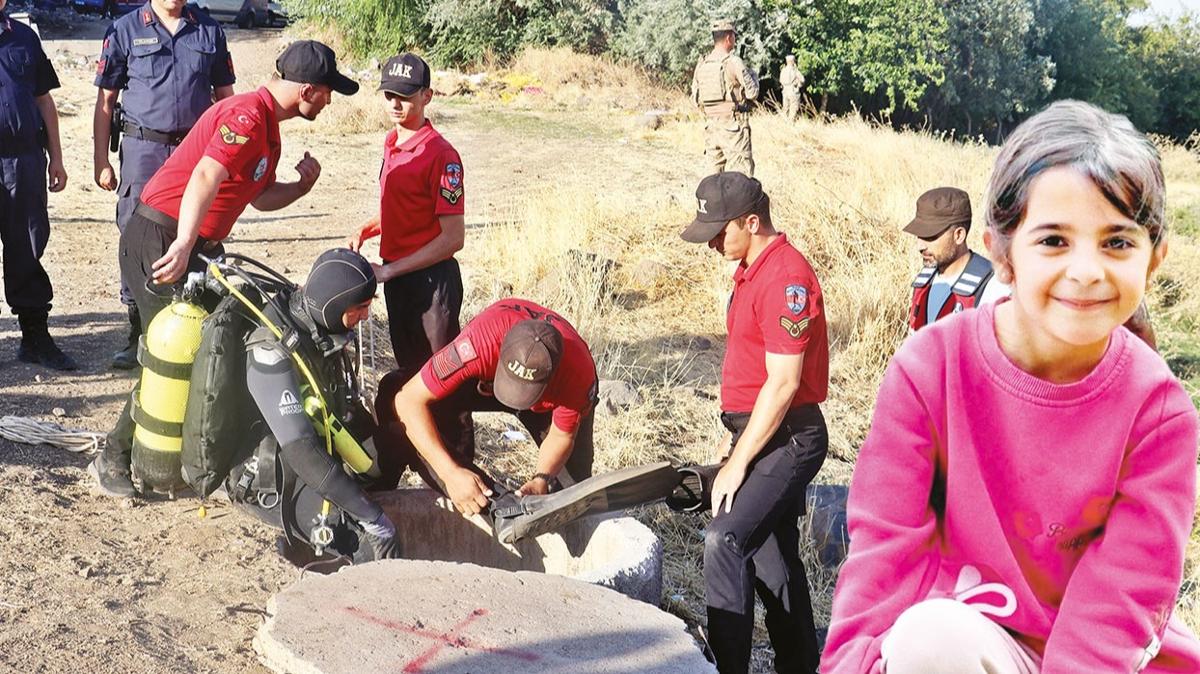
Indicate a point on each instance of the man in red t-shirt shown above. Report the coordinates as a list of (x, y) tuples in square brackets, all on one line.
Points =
[(775, 373), (225, 163), (420, 220), (515, 356), (421, 226)]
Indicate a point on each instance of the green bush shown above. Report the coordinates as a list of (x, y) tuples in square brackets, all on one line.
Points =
[(667, 37), (468, 31), (377, 28)]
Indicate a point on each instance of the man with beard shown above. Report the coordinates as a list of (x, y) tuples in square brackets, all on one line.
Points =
[(954, 278), (226, 163)]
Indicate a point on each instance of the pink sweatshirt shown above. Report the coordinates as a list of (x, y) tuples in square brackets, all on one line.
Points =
[(1066, 507)]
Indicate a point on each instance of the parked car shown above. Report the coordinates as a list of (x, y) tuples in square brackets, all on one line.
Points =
[(106, 7), (246, 13)]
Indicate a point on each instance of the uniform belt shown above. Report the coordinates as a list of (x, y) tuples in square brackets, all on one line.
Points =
[(796, 418), (134, 131), (171, 224)]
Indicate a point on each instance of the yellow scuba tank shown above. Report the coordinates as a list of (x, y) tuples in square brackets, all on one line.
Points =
[(166, 353)]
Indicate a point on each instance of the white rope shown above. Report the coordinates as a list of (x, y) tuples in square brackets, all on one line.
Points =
[(34, 432)]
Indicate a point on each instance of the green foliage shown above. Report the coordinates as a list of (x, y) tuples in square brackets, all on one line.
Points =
[(377, 28), (862, 48), (467, 31), (669, 36), (974, 66), (1093, 47), (992, 76), (1170, 54)]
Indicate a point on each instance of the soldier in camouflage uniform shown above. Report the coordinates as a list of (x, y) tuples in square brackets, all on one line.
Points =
[(723, 88), (791, 79)]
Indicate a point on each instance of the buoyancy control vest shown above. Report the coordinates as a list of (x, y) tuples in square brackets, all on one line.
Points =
[(223, 426), (964, 294)]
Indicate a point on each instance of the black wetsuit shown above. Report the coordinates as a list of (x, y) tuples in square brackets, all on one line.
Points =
[(288, 490)]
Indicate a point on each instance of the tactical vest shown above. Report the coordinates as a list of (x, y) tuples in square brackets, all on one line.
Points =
[(964, 294), (712, 81)]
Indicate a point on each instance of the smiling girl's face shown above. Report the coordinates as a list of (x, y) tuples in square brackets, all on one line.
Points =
[(1079, 266)]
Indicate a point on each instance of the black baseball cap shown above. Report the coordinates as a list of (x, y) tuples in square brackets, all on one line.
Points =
[(722, 197), (529, 355), (404, 75), (310, 62)]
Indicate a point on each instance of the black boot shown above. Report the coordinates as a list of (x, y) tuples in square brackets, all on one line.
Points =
[(126, 358), (111, 467), (36, 344)]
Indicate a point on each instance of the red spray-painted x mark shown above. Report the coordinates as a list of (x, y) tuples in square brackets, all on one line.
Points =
[(451, 638)]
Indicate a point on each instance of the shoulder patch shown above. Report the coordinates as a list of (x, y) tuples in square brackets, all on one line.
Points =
[(451, 187), (797, 298), (452, 357), (794, 329), (231, 138)]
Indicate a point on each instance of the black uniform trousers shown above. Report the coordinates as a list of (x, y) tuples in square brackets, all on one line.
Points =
[(756, 548), (140, 159), (397, 452), (423, 316), (144, 241), (24, 229)]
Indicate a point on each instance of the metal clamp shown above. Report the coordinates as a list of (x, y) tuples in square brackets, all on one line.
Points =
[(321, 535)]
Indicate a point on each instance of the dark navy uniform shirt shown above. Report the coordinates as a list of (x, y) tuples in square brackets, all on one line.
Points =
[(168, 79), (25, 74)]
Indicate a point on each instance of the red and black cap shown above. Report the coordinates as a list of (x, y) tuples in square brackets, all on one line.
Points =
[(722, 197), (404, 75), (529, 355), (310, 62)]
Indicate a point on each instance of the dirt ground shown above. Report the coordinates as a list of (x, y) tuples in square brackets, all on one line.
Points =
[(101, 585)]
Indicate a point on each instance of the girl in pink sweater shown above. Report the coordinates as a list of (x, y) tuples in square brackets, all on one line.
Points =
[(1025, 494)]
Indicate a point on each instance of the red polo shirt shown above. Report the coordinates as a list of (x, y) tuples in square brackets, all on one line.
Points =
[(777, 307), (242, 133), (421, 179), (474, 355)]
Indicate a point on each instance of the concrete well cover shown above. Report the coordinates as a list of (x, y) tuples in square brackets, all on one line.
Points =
[(616, 552), (448, 618)]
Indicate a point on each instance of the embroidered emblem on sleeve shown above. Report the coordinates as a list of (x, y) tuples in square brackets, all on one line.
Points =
[(231, 138), (794, 329), (452, 358), (797, 298), (452, 189)]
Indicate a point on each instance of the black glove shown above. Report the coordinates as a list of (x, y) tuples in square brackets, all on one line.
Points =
[(380, 535)]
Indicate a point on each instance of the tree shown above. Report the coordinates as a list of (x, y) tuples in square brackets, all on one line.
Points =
[(1095, 51), (465, 31), (992, 74), (1170, 54), (669, 36), (860, 49), (371, 27)]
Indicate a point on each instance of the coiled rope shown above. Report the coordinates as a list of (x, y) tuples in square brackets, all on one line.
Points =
[(34, 432)]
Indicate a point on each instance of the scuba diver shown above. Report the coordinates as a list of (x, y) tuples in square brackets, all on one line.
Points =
[(273, 410), (336, 297)]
